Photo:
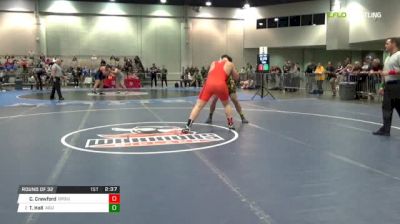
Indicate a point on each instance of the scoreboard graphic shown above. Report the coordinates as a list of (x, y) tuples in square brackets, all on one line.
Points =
[(263, 64), (69, 199)]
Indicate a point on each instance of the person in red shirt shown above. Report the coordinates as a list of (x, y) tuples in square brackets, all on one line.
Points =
[(215, 85)]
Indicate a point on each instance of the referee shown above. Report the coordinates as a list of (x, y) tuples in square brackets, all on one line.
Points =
[(56, 74), (390, 87)]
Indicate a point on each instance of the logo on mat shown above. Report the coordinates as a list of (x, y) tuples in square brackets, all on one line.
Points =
[(148, 138)]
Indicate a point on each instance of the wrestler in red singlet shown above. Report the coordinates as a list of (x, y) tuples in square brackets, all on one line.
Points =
[(216, 83)]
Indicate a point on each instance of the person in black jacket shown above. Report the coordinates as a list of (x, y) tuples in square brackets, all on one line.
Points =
[(153, 74)]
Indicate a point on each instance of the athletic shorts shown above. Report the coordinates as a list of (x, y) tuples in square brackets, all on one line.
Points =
[(98, 76), (120, 80), (232, 89), (221, 91)]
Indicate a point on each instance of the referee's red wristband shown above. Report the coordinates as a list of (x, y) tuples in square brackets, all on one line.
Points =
[(392, 72)]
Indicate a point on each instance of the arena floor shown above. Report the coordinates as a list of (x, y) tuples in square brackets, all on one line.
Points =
[(301, 160)]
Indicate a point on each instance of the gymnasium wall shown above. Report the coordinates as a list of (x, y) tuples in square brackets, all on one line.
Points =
[(363, 29), (287, 36), (156, 33), (17, 32)]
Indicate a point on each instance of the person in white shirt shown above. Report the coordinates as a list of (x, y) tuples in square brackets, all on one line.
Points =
[(56, 74), (390, 88)]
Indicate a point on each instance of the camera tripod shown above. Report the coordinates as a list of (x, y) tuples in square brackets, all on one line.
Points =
[(262, 90)]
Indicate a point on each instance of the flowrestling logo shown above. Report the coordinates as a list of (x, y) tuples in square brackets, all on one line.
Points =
[(360, 14), (148, 138)]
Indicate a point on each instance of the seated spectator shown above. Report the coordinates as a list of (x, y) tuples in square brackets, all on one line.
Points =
[(184, 77), (247, 84), (9, 64), (31, 81)]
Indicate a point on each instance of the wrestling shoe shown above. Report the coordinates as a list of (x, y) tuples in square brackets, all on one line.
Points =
[(186, 130)]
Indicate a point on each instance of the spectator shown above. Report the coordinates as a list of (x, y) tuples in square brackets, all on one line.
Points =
[(320, 77), (247, 84), (374, 76), (153, 74), (87, 78), (309, 73), (138, 64), (330, 71), (77, 75), (357, 68), (164, 73), (346, 62), (204, 72), (1, 79), (249, 68), (286, 67), (190, 79), (31, 81), (366, 66), (362, 85), (198, 78), (40, 73), (292, 77), (276, 73), (184, 77), (24, 65)]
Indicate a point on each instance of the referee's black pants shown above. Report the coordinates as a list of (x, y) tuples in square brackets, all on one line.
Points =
[(391, 101), (39, 83), (154, 77), (56, 87)]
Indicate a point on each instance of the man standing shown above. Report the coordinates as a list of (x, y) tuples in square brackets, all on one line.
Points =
[(153, 74), (215, 85), (390, 88), (164, 73), (40, 71), (56, 74), (330, 71), (320, 77)]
